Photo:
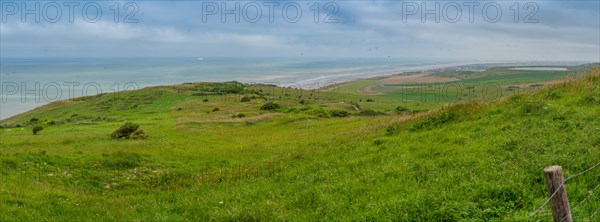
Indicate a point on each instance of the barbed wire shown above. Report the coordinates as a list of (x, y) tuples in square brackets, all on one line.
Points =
[(561, 185), (581, 202), (583, 172)]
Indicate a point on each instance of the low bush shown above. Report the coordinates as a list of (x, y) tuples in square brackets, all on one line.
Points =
[(216, 109), (402, 109), (139, 134), (245, 99), (239, 115), (270, 106), (37, 129), (370, 112), (339, 113), (125, 130), (323, 113), (319, 112), (392, 130)]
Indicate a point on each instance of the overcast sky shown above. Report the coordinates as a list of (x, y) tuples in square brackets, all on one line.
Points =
[(543, 31)]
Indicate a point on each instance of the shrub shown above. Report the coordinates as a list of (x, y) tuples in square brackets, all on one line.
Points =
[(37, 129), (270, 106), (339, 113), (392, 130), (302, 102), (402, 109), (378, 142), (139, 134), (370, 100), (34, 120), (205, 100), (215, 109), (419, 111), (239, 115), (125, 130), (245, 99), (319, 112), (370, 112)]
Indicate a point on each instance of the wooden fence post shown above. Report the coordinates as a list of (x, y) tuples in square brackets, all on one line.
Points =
[(558, 194)]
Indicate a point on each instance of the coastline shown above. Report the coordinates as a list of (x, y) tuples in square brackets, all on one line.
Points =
[(14, 106), (325, 81), (312, 83)]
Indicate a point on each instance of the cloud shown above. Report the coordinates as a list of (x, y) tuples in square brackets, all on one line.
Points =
[(364, 29)]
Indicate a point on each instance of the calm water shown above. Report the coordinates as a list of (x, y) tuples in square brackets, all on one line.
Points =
[(28, 83)]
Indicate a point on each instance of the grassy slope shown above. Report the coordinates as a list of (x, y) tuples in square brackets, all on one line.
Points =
[(470, 86), (463, 162)]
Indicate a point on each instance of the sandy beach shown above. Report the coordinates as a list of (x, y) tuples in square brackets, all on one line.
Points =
[(408, 75)]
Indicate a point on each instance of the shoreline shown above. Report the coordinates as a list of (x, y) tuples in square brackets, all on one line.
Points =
[(323, 82), (326, 81), (310, 83)]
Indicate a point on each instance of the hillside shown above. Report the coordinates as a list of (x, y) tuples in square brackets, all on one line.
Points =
[(334, 155)]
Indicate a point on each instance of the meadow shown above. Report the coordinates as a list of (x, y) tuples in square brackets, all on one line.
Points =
[(215, 151)]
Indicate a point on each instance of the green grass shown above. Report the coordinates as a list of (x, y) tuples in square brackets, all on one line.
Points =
[(490, 85), (464, 162)]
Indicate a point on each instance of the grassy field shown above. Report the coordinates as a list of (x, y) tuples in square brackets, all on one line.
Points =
[(339, 154), (490, 85)]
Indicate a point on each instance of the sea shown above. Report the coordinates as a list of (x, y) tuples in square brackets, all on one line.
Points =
[(27, 83)]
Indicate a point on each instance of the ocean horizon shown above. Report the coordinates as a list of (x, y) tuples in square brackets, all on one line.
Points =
[(31, 82)]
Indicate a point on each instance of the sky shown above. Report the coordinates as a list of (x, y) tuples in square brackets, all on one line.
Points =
[(469, 31)]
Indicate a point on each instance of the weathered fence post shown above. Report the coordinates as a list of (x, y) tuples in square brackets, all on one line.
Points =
[(558, 194)]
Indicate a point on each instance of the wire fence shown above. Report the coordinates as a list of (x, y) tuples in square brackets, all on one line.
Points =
[(580, 203)]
